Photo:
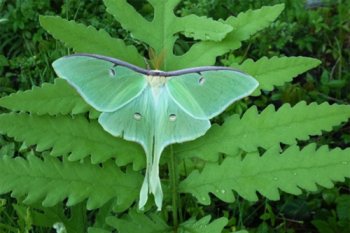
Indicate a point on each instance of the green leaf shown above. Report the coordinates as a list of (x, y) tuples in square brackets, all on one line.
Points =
[(52, 99), (100, 217), (245, 25), (324, 226), (139, 222), (202, 28), (75, 136), (276, 71), (343, 207), (203, 225), (265, 129), (250, 22), (290, 172), (52, 181), (7, 149), (89, 40), (97, 230), (47, 217), (3, 61), (160, 33)]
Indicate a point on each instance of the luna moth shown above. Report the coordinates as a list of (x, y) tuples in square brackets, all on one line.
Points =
[(151, 107)]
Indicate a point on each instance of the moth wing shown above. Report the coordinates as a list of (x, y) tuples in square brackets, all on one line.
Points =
[(103, 84), (208, 93)]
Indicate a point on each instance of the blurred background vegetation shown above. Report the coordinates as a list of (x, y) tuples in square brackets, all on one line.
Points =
[(314, 28)]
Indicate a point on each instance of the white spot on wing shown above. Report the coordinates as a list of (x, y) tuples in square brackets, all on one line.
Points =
[(137, 116), (201, 80), (111, 72), (172, 117)]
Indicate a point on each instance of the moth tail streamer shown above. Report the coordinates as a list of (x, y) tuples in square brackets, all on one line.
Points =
[(151, 183), (154, 180)]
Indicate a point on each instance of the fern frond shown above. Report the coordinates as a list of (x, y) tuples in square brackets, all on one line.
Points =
[(139, 222), (276, 71), (52, 181), (74, 136), (248, 23), (87, 39), (48, 216), (265, 129), (204, 225), (52, 99), (244, 25), (290, 172)]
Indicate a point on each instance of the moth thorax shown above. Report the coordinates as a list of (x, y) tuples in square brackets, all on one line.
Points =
[(156, 81)]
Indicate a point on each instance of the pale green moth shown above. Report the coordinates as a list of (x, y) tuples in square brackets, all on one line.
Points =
[(151, 107)]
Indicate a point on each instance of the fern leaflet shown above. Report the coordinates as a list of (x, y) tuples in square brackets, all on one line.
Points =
[(89, 40), (75, 136), (137, 222), (58, 98), (244, 25), (265, 129), (276, 71), (290, 172), (53, 181)]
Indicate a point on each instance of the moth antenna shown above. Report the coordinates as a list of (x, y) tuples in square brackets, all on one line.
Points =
[(160, 59), (156, 59)]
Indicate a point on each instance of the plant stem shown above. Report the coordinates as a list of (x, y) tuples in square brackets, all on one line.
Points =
[(173, 176)]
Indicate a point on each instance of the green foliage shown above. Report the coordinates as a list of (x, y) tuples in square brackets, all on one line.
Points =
[(289, 171), (56, 217), (136, 222), (258, 151), (160, 33), (52, 181), (95, 41), (249, 22), (276, 71), (266, 129), (65, 135), (58, 98), (23, 45), (339, 221), (245, 24)]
